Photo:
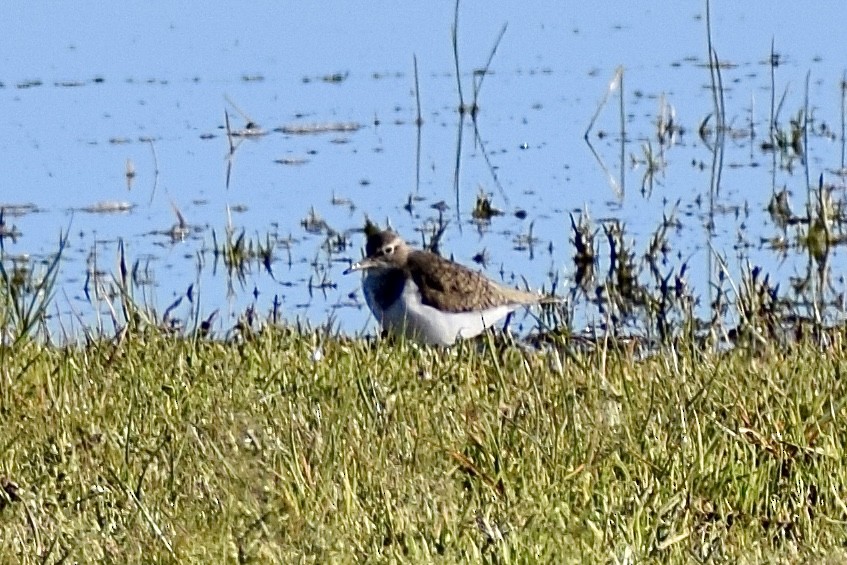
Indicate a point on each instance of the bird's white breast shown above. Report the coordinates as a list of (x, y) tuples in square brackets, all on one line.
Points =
[(410, 317)]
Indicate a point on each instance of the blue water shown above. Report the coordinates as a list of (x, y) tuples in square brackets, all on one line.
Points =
[(85, 88)]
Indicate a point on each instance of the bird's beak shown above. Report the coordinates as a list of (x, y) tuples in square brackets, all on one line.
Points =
[(364, 264)]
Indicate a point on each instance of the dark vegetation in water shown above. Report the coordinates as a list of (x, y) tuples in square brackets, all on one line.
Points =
[(612, 287)]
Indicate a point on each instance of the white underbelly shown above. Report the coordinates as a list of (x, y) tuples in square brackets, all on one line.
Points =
[(408, 316)]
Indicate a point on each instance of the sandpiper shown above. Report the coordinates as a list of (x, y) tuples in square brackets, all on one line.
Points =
[(425, 297)]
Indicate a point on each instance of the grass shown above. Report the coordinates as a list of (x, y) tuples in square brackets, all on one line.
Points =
[(276, 445), (285, 446)]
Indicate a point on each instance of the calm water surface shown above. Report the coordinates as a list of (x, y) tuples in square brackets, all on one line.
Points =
[(87, 89)]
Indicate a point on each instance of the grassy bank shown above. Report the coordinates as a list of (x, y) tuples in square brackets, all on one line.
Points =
[(159, 448)]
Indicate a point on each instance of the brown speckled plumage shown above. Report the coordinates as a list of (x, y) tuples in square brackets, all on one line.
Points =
[(443, 284)]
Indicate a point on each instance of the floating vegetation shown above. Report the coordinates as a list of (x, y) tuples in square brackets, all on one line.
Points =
[(313, 223), (7, 230), (653, 163), (69, 83), (779, 209), (237, 252), (333, 78), (342, 201), (316, 128), (18, 209), (293, 161), (482, 258), (29, 84), (109, 207), (483, 209), (129, 173), (526, 240), (181, 229), (335, 243), (668, 129)]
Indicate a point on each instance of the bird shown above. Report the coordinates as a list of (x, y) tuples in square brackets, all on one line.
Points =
[(422, 296)]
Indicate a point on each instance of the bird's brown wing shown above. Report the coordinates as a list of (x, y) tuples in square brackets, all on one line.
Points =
[(451, 287)]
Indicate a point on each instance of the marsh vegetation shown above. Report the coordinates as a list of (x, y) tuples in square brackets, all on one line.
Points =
[(652, 415)]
